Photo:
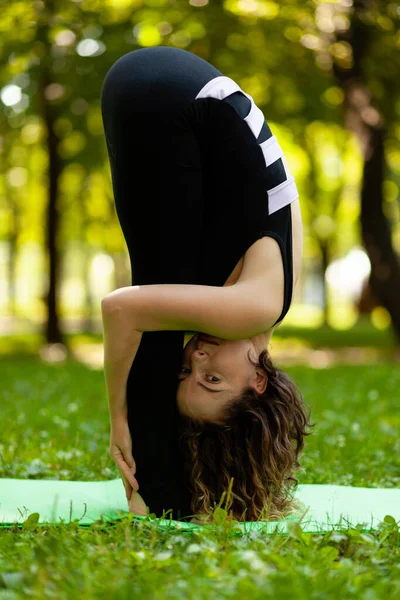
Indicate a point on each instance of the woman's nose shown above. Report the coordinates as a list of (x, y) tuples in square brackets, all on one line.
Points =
[(199, 355)]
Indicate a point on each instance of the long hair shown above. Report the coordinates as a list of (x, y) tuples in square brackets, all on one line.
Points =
[(253, 452)]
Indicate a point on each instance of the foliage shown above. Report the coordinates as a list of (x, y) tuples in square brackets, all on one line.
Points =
[(56, 426), (139, 560), (280, 53)]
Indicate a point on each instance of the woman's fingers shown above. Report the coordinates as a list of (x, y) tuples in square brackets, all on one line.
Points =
[(130, 461), (127, 486), (124, 469), (121, 450), (127, 473)]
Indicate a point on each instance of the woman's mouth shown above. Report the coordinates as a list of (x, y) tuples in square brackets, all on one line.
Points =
[(208, 339)]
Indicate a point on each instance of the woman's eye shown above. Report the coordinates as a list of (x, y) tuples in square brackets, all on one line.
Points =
[(216, 380), (181, 371)]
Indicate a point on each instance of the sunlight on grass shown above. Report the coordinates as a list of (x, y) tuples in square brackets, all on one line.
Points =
[(304, 315), (55, 425)]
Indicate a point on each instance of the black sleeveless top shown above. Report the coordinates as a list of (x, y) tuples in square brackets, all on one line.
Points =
[(234, 211)]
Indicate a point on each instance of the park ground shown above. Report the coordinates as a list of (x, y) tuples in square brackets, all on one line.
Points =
[(55, 425)]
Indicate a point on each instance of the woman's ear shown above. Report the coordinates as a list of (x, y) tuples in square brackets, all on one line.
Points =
[(260, 381)]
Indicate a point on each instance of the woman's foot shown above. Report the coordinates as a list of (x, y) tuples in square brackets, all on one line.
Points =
[(137, 505)]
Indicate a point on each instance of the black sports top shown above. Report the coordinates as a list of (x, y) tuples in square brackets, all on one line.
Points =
[(236, 179), (190, 150)]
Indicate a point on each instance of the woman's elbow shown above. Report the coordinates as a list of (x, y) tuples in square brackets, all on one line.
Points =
[(111, 303)]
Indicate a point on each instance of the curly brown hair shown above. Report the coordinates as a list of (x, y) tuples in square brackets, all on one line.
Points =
[(251, 452)]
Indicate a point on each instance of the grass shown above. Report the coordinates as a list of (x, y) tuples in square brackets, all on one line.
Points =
[(363, 335), (55, 425)]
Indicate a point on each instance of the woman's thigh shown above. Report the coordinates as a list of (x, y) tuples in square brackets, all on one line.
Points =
[(159, 206), (152, 79), (155, 166)]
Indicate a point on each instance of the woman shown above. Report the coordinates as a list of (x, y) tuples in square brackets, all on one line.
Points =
[(211, 217)]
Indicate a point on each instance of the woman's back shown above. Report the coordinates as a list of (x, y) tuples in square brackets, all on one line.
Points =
[(263, 260)]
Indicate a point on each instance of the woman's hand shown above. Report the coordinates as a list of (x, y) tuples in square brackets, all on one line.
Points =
[(121, 451)]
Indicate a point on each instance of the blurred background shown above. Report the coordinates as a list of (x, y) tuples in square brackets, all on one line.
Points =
[(325, 75)]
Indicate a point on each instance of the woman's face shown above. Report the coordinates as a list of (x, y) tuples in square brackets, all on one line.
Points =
[(214, 372)]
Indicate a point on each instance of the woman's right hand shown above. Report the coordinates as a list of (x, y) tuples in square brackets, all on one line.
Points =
[(121, 451)]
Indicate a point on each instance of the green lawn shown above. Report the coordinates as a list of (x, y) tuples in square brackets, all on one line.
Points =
[(361, 335), (55, 424)]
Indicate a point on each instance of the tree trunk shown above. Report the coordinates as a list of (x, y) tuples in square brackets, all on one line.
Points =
[(11, 274), (11, 197), (12, 254), (376, 233), (367, 123), (87, 323), (324, 246), (53, 331), (45, 18)]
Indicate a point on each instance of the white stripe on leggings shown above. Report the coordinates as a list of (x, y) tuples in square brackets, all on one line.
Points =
[(286, 192)]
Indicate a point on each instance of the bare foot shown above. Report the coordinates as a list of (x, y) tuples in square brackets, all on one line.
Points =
[(137, 505)]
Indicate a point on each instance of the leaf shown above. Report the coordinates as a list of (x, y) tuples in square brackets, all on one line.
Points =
[(295, 530), (389, 519), (328, 554), (9, 595), (31, 522), (366, 537), (13, 580), (219, 515)]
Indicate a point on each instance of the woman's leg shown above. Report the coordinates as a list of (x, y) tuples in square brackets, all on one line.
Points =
[(155, 167), (157, 183)]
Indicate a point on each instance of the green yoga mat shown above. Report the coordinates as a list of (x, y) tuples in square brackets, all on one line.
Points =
[(329, 506)]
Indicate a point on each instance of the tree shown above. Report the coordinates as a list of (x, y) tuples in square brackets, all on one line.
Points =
[(366, 120)]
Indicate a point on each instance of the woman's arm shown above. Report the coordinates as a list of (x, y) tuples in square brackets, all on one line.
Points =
[(240, 311), (121, 343)]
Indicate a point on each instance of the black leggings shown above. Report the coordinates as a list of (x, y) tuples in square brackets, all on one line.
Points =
[(153, 211), (159, 202)]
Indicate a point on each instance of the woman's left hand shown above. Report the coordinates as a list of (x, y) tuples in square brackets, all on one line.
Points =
[(121, 451)]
